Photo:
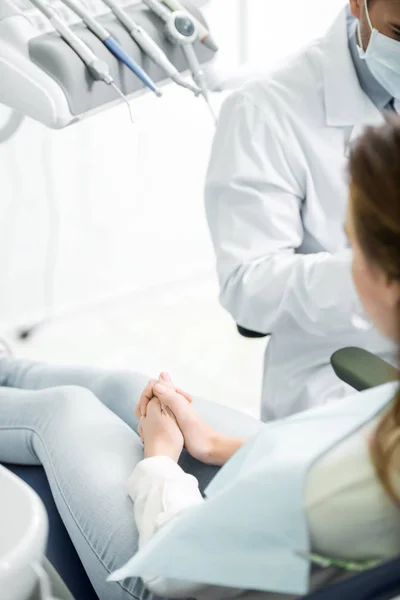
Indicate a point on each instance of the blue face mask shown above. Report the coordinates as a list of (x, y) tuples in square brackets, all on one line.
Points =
[(383, 59)]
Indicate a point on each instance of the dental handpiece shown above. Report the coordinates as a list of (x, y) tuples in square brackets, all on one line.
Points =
[(198, 75), (202, 32), (111, 43), (97, 68), (159, 9), (181, 30), (149, 46)]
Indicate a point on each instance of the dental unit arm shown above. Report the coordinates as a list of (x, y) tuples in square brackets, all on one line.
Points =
[(42, 77)]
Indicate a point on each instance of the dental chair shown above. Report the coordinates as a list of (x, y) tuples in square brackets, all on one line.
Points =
[(60, 552), (24, 572), (360, 369)]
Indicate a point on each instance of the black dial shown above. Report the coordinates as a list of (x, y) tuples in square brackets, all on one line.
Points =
[(184, 26)]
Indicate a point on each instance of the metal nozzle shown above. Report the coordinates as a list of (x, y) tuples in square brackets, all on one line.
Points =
[(100, 71), (180, 81), (214, 116), (124, 98), (209, 42)]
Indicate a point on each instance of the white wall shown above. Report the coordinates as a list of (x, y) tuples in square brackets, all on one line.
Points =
[(128, 198), (277, 29)]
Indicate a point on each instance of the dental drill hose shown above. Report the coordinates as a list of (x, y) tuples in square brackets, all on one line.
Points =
[(111, 44), (149, 46), (198, 75), (73, 40), (98, 69), (181, 30)]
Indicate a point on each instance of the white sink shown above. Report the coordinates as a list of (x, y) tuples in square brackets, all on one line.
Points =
[(23, 535)]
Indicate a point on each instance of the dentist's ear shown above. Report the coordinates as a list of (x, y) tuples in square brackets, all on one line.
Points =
[(355, 7)]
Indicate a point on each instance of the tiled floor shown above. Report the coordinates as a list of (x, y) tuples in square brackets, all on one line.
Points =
[(180, 328)]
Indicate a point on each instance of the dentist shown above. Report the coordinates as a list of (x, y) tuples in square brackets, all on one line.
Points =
[(276, 198)]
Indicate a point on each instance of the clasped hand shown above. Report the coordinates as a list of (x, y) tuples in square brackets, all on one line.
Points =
[(168, 421)]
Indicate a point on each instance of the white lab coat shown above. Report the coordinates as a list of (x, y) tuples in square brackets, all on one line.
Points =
[(276, 196)]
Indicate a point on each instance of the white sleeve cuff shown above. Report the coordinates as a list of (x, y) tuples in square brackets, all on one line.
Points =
[(160, 490), (150, 469)]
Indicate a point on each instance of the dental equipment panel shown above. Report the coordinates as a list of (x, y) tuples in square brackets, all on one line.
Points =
[(55, 56), (98, 69)]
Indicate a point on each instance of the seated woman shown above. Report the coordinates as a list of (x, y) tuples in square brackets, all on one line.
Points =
[(81, 426)]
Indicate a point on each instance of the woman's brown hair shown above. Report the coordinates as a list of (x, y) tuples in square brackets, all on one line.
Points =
[(375, 182)]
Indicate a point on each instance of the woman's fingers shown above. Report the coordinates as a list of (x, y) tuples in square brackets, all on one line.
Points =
[(145, 398), (170, 399), (154, 407), (165, 377), (161, 391), (148, 393), (166, 380), (184, 394), (140, 430)]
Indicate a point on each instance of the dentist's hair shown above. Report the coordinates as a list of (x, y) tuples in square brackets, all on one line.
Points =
[(375, 173)]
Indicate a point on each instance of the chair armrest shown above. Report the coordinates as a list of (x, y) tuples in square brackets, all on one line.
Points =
[(250, 334), (361, 369)]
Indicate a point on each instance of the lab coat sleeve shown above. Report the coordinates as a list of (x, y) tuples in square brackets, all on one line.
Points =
[(160, 491), (255, 188)]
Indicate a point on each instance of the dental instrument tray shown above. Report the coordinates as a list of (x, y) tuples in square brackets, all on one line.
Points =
[(41, 76)]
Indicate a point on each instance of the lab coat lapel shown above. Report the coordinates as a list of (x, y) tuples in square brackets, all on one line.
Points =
[(249, 533), (346, 104), (371, 117)]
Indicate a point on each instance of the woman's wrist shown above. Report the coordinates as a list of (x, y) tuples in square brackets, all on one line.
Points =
[(223, 447), (159, 448)]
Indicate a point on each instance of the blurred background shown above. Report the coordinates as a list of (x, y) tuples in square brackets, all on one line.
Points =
[(103, 232)]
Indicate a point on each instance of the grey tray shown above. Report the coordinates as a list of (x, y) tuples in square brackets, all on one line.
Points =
[(58, 60)]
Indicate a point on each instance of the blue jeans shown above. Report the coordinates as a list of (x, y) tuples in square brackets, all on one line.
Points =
[(80, 424)]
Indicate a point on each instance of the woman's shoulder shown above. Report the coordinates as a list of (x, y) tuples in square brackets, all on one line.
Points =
[(346, 501)]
